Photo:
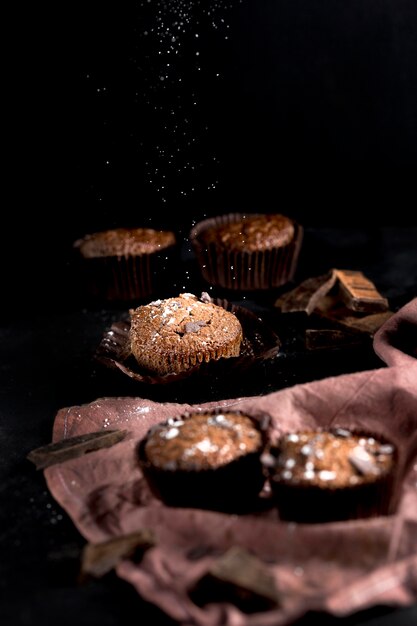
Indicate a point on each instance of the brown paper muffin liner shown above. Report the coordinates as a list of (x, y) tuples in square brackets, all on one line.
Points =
[(244, 271), (128, 278), (260, 343), (233, 487), (303, 503)]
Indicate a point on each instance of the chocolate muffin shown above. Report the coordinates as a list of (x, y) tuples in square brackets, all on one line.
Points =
[(126, 263), (177, 334), (207, 460), (319, 475), (247, 251)]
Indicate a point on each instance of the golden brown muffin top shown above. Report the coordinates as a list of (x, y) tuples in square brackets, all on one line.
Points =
[(202, 441), (251, 233), (332, 459), (164, 333), (124, 242)]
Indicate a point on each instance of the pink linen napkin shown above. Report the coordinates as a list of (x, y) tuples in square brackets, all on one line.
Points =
[(337, 567), (396, 341)]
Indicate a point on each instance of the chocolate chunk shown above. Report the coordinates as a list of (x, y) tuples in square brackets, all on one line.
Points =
[(342, 432), (385, 449), (240, 578), (100, 558), (346, 298), (74, 447), (307, 295), (369, 323), (321, 339), (337, 314), (359, 293), (362, 462), (205, 297), (194, 327)]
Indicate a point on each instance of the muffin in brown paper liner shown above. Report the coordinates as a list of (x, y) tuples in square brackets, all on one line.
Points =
[(206, 459), (175, 334), (127, 264), (260, 344), (265, 259), (334, 474)]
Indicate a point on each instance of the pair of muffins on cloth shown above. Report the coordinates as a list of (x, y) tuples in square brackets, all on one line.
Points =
[(233, 251), (222, 460)]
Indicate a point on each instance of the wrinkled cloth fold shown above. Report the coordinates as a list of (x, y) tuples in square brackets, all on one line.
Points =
[(337, 567), (396, 341)]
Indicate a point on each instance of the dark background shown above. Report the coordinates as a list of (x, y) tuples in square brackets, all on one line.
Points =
[(313, 113), (304, 107), (308, 108)]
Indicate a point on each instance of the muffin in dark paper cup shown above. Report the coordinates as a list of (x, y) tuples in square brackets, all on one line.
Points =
[(260, 345), (247, 252), (206, 459), (126, 264), (177, 334), (332, 475)]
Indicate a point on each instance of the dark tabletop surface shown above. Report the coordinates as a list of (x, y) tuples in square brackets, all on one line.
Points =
[(47, 364)]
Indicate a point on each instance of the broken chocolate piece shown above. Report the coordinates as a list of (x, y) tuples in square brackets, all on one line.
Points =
[(323, 338), (100, 558), (340, 316), (194, 327), (335, 311), (368, 324), (359, 293), (354, 306), (307, 295), (342, 432), (205, 297), (74, 447), (240, 578), (362, 462)]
